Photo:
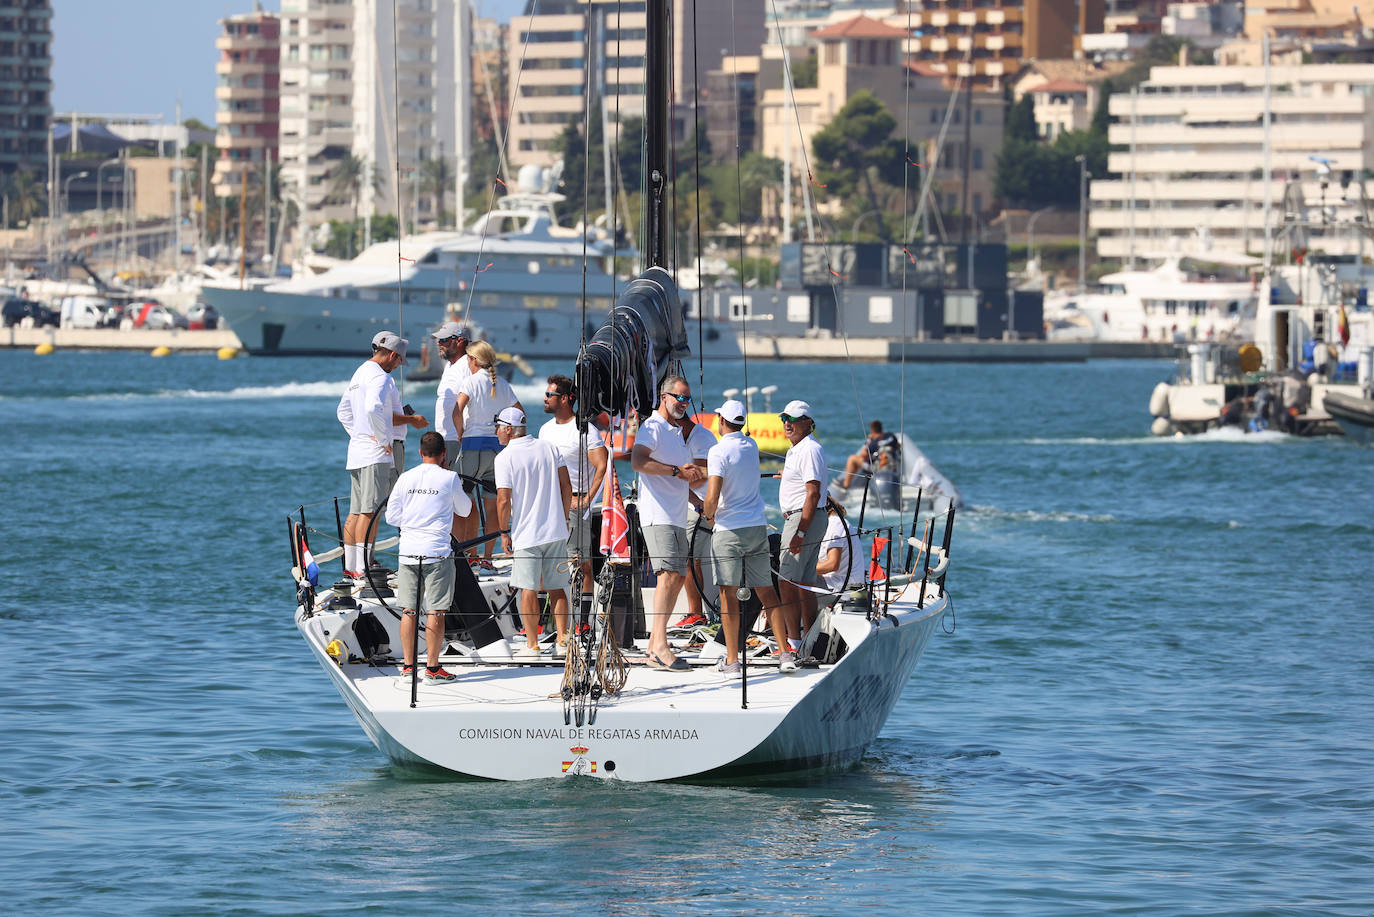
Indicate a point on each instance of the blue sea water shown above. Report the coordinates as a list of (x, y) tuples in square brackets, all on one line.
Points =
[(1157, 698)]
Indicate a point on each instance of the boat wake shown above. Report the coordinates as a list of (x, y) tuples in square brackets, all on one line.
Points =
[(1030, 515)]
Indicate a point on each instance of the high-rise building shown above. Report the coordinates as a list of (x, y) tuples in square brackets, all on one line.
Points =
[(549, 57), (247, 97), (25, 84), (367, 99)]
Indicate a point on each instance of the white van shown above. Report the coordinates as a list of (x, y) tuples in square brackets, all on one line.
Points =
[(83, 312)]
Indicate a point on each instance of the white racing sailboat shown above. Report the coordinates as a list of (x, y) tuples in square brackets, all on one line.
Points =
[(598, 711)]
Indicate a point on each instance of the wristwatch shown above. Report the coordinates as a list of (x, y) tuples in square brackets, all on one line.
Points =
[(676, 471)]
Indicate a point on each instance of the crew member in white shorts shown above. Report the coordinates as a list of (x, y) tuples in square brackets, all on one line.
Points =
[(799, 495), (365, 410), (586, 470), (666, 472), (422, 505), (739, 542), (533, 494), (452, 341)]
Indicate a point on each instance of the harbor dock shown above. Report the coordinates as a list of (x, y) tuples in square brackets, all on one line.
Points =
[(175, 339)]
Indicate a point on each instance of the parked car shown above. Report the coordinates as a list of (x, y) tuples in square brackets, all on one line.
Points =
[(202, 315), (86, 312), (157, 316), (16, 310)]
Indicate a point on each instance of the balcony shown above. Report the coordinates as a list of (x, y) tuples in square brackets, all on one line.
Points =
[(968, 17)]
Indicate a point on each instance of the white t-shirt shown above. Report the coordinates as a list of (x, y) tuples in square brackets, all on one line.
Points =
[(568, 442), (394, 406), (850, 554), (529, 467), (422, 506), (699, 443), (483, 406), (805, 462), (365, 412), (447, 398), (662, 498), (735, 460)]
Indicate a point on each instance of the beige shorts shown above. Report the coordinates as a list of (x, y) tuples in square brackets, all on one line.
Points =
[(369, 487), (741, 556), (700, 549), (667, 547), (801, 568), (537, 567), (582, 538), (438, 576), (480, 464)]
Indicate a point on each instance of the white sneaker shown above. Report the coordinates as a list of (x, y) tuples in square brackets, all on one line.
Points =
[(528, 653), (731, 672), (787, 662)]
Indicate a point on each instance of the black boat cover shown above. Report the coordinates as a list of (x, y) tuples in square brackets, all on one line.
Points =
[(642, 339)]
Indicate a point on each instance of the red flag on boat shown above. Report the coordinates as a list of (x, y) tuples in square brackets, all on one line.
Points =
[(1343, 326), (875, 569), (615, 525)]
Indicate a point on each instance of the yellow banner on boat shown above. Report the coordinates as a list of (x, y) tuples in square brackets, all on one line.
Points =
[(766, 430)]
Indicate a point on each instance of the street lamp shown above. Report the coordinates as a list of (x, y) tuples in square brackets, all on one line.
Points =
[(67, 190), (1083, 176), (100, 213)]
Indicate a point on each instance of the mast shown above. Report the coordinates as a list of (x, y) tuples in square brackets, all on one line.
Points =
[(656, 140)]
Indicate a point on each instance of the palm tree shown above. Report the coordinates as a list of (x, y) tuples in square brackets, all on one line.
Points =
[(346, 184), (26, 196), (436, 177)]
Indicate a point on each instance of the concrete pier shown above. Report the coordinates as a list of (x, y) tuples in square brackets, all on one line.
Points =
[(176, 339)]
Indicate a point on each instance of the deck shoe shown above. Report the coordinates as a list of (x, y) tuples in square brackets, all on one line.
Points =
[(438, 676), (731, 672), (527, 653), (787, 662)]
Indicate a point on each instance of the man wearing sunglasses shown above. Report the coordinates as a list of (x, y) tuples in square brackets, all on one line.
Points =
[(666, 473), (586, 465), (799, 494), (452, 339)]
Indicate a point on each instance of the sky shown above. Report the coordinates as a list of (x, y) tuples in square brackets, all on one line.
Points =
[(138, 57)]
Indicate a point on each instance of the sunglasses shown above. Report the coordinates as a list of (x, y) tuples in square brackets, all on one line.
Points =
[(681, 399), (446, 340), (548, 395), (788, 418)]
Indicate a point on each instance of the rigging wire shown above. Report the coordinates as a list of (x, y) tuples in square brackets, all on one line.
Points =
[(400, 224)]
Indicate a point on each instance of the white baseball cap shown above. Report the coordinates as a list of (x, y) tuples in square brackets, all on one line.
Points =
[(511, 417), (451, 330), (390, 340), (798, 408), (732, 411)]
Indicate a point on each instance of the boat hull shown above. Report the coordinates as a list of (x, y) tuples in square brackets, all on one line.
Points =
[(500, 722), (1354, 414)]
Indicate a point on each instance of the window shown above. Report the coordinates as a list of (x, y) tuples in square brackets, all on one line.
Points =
[(880, 310), (799, 309), (739, 306), (977, 157)]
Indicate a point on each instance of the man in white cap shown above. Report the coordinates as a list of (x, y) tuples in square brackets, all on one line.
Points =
[(452, 341), (799, 496), (739, 542), (533, 494), (365, 410), (666, 472), (422, 506)]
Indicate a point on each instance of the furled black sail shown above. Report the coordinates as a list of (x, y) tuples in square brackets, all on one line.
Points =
[(641, 339)]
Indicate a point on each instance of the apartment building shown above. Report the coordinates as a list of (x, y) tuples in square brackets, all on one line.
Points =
[(347, 99), (1198, 161), (549, 60), (25, 84), (987, 41), (862, 53), (247, 98)]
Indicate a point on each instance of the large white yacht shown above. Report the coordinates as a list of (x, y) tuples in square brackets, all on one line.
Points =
[(1198, 294), (515, 272)]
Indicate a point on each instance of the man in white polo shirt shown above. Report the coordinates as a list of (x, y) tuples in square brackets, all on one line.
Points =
[(452, 341), (533, 493), (422, 505), (739, 542), (586, 464), (666, 472), (799, 496), (365, 410), (699, 442)]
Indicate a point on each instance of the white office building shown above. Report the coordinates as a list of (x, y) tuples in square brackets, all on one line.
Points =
[(1189, 151), (391, 91)]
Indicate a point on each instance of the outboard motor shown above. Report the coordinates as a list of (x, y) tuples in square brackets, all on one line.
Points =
[(887, 486)]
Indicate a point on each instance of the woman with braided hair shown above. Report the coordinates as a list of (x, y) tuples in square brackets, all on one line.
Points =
[(482, 396)]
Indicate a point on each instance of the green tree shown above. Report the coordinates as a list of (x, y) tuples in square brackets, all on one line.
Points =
[(436, 177), (804, 71), (346, 183), (1021, 121), (26, 196), (856, 154)]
